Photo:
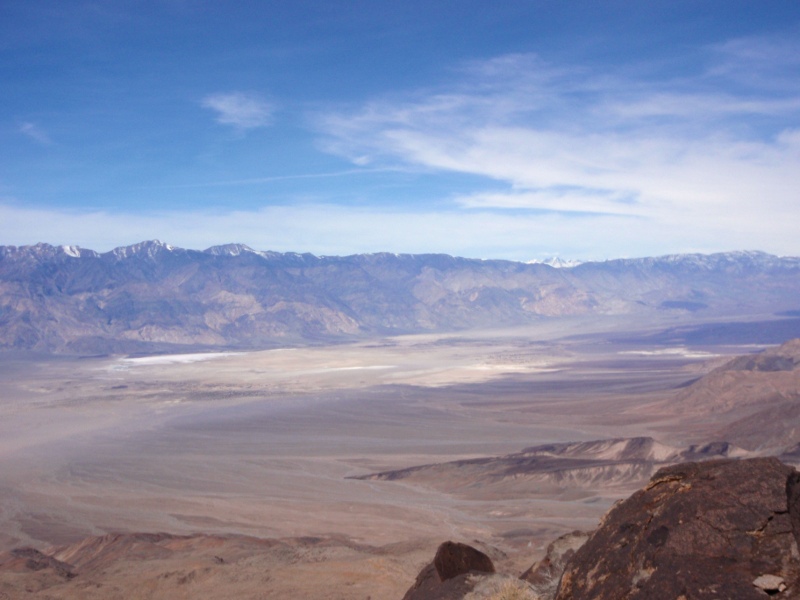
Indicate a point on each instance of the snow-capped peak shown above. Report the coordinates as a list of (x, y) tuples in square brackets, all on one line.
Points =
[(557, 262), (229, 250), (150, 248)]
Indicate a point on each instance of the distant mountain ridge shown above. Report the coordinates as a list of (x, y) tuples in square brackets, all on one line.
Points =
[(152, 296)]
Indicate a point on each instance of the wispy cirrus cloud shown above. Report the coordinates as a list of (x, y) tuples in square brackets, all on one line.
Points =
[(693, 152), (768, 63), (240, 110), (35, 133), (568, 160)]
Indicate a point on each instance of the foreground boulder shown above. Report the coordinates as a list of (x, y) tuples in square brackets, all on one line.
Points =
[(451, 574), (453, 559), (719, 529)]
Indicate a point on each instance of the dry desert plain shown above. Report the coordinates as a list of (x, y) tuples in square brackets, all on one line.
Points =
[(256, 451)]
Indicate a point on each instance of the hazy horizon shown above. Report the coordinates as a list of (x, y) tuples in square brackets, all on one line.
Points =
[(558, 260)]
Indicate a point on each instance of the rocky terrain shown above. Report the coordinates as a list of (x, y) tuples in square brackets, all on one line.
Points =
[(336, 459), (150, 566), (751, 381), (749, 405), (155, 297), (752, 401), (719, 528), (558, 469), (723, 529)]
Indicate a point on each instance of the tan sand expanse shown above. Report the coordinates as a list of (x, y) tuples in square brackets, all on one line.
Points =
[(261, 443)]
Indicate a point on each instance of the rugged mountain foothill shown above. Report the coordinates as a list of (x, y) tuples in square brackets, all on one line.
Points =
[(155, 297), (722, 528), (724, 524), (752, 403), (716, 529), (715, 520), (615, 464)]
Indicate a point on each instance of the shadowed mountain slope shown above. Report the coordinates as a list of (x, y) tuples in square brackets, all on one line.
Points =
[(751, 402), (756, 397), (614, 464)]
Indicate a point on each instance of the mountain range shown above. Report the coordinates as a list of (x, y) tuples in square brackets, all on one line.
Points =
[(153, 296)]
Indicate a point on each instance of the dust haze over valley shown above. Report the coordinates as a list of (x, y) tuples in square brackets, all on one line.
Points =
[(306, 445)]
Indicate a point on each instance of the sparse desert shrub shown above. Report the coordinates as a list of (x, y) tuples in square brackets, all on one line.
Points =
[(513, 590)]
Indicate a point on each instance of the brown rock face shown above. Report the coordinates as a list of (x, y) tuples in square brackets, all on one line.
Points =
[(698, 530), (558, 553)]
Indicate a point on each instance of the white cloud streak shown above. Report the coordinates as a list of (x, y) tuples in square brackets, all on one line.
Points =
[(240, 110), (689, 159), (585, 165)]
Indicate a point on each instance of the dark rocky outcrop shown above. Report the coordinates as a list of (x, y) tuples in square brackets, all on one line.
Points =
[(428, 586), (453, 559), (718, 529), (448, 576)]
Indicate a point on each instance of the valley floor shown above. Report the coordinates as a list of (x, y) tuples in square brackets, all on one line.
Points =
[(265, 444)]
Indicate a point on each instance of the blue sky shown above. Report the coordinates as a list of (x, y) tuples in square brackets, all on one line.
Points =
[(505, 129)]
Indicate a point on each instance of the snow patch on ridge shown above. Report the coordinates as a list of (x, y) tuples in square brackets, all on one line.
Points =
[(230, 250), (150, 248), (557, 262)]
